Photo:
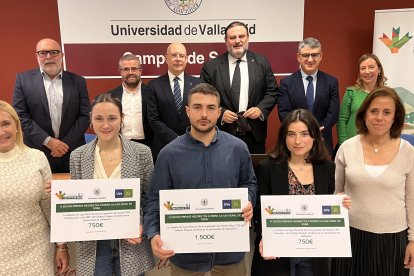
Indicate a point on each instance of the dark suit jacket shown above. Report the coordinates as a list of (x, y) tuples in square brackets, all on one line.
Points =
[(262, 89), (117, 93), (292, 96), (272, 178), (31, 104), (163, 117)]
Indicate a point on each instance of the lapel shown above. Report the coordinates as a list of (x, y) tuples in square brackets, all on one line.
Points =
[(144, 100), (128, 157), (67, 94), (298, 83), (188, 84), (320, 83), (118, 92), (280, 173), (225, 77), (252, 71), (88, 160), (41, 91), (168, 93), (320, 180)]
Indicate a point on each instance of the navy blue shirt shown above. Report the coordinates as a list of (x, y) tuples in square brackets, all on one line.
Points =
[(186, 163)]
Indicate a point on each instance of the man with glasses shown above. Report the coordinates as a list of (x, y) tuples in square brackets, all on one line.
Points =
[(53, 106), (168, 98), (311, 89), (133, 94)]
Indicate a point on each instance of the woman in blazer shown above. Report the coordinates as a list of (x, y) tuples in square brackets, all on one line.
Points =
[(298, 165), (108, 156)]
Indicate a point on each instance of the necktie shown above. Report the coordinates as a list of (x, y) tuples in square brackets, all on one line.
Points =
[(177, 94), (54, 107), (310, 93), (235, 85)]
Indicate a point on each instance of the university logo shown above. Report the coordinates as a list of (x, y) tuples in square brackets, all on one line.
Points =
[(231, 204), (123, 193), (396, 42), (183, 7), (331, 210)]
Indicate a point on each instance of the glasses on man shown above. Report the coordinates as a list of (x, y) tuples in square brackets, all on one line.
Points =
[(52, 53), (132, 69), (313, 55), (175, 55)]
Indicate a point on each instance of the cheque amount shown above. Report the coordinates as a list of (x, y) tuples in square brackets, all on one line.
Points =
[(205, 237), (96, 225), (305, 241)]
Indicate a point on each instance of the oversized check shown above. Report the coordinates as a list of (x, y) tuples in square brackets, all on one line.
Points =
[(204, 220), (305, 226), (95, 209)]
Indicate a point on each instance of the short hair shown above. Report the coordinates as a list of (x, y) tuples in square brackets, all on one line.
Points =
[(129, 56), (4, 106), (204, 88), (317, 153), (311, 42), (381, 78), (107, 98), (399, 116), (235, 24)]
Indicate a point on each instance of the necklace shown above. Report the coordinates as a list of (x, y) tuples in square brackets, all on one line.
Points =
[(301, 168)]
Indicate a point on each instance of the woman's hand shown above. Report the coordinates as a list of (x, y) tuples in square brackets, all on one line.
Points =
[(62, 258), (261, 252), (137, 240), (409, 255), (48, 187), (346, 202)]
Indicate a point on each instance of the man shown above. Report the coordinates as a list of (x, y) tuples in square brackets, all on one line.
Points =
[(247, 88), (168, 97), (312, 89), (133, 95), (201, 158), (53, 106)]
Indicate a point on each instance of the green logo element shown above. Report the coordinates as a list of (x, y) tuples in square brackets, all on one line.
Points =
[(335, 210), (396, 42), (128, 192), (236, 204)]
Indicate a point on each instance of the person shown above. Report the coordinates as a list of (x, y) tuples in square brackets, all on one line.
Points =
[(298, 165), (25, 247), (371, 76), (133, 95), (112, 156), (247, 88), (376, 169), (168, 97), (53, 106), (310, 88), (198, 160)]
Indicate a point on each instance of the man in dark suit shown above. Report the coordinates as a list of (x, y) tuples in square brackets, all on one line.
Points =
[(247, 88), (53, 106), (312, 89), (133, 95), (168, 97)]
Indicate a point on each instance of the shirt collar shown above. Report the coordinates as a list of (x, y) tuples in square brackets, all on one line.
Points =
[(129, 92), (45, 76), (233, 60), (172, 76), (304, 75), (192, 140)]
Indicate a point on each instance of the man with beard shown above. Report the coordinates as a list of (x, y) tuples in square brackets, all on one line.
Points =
[(247, 88), (204, 157), (168, 97), (53, 106), (133, 95)]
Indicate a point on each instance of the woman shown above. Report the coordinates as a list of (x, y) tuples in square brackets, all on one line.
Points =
[(376, 168), (297, 166), (112, 156), (370, 77), (25, 247)]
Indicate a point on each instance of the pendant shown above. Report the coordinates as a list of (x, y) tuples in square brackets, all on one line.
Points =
[(376, 150)]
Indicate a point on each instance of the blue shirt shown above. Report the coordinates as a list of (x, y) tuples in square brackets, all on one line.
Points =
[(186, 163)]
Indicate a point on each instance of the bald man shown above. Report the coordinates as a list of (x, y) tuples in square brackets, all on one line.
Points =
[(168, 97), (53, 106)]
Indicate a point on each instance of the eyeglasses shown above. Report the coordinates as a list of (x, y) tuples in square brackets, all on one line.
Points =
[(132, 69), (52, 53), (175, 55), (313, 55)]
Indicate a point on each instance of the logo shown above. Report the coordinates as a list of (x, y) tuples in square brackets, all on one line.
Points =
[(396, 42), (304, 207), (97, 191), (183, 7), (273, 211), (204, 202), (63, 195), (231, 204), (171, 206), (123, 193), (331, 210)]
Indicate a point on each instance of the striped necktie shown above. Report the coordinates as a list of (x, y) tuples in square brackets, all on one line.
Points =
[(177, 94)]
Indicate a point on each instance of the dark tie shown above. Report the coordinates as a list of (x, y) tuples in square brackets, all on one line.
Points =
[(310, 93), (177, 94), (235, 85)]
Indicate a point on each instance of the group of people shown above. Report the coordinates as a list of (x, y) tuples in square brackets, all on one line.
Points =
[(216, 121)]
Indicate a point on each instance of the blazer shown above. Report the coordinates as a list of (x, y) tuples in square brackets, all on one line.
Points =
[(136, 163), (163, 117), (292, 96), (117, 93), (262, 90), (272, 178), (31, 104)]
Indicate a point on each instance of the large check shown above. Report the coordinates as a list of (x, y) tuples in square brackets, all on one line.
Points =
[(305, 226), (95, 209), (204, 220)]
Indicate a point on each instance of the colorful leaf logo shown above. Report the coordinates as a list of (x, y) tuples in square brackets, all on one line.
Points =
[(396, 42)]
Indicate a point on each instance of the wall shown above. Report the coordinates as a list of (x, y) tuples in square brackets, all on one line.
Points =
[(345, 30)]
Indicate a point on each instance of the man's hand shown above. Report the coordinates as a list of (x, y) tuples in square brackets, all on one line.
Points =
[(57, 147), (229, 116), (253, 113), (156, 244), (248, 212)]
